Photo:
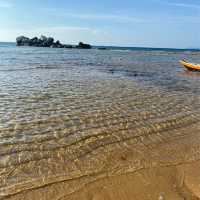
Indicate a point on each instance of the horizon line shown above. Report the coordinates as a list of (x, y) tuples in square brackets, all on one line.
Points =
[(127, 46)]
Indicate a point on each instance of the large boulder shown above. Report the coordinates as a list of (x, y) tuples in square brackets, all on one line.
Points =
[(57, 44), (34, 42), (23, 41), (82, 45), (49, 41), (45, 41)]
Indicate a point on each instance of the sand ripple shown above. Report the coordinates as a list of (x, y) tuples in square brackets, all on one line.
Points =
[(55, 141)]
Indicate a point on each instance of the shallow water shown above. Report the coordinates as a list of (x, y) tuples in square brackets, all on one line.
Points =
[(72, 117)]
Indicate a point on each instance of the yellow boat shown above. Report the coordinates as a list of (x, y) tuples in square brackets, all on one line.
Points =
[(190, 66)]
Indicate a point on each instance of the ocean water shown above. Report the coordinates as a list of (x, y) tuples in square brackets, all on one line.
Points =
[(68, 117), (156, 67)]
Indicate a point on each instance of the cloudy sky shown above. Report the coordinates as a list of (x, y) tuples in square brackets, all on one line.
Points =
[(150, 23)]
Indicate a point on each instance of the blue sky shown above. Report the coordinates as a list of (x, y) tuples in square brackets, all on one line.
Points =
[(152, 23)]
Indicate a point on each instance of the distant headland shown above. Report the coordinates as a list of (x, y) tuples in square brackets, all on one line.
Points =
[(44, 41)]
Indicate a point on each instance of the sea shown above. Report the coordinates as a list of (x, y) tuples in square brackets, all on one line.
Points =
[(157, 67), (69, 117)]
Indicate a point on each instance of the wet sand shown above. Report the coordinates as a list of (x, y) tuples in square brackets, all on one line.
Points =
[(172, 182), (97, 138)]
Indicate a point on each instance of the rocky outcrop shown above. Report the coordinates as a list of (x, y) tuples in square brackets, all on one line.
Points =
[(57, 44), (81, 45), (44, 41), (23, 41)]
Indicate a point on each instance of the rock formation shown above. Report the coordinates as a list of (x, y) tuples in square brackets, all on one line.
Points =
[(44, 41), (81, 45)]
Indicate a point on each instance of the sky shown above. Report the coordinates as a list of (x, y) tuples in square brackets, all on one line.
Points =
[(141, 23)]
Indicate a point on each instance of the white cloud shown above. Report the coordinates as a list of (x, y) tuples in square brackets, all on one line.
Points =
[(111, 17), (177, 4), (95, 16), (185, 5)]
